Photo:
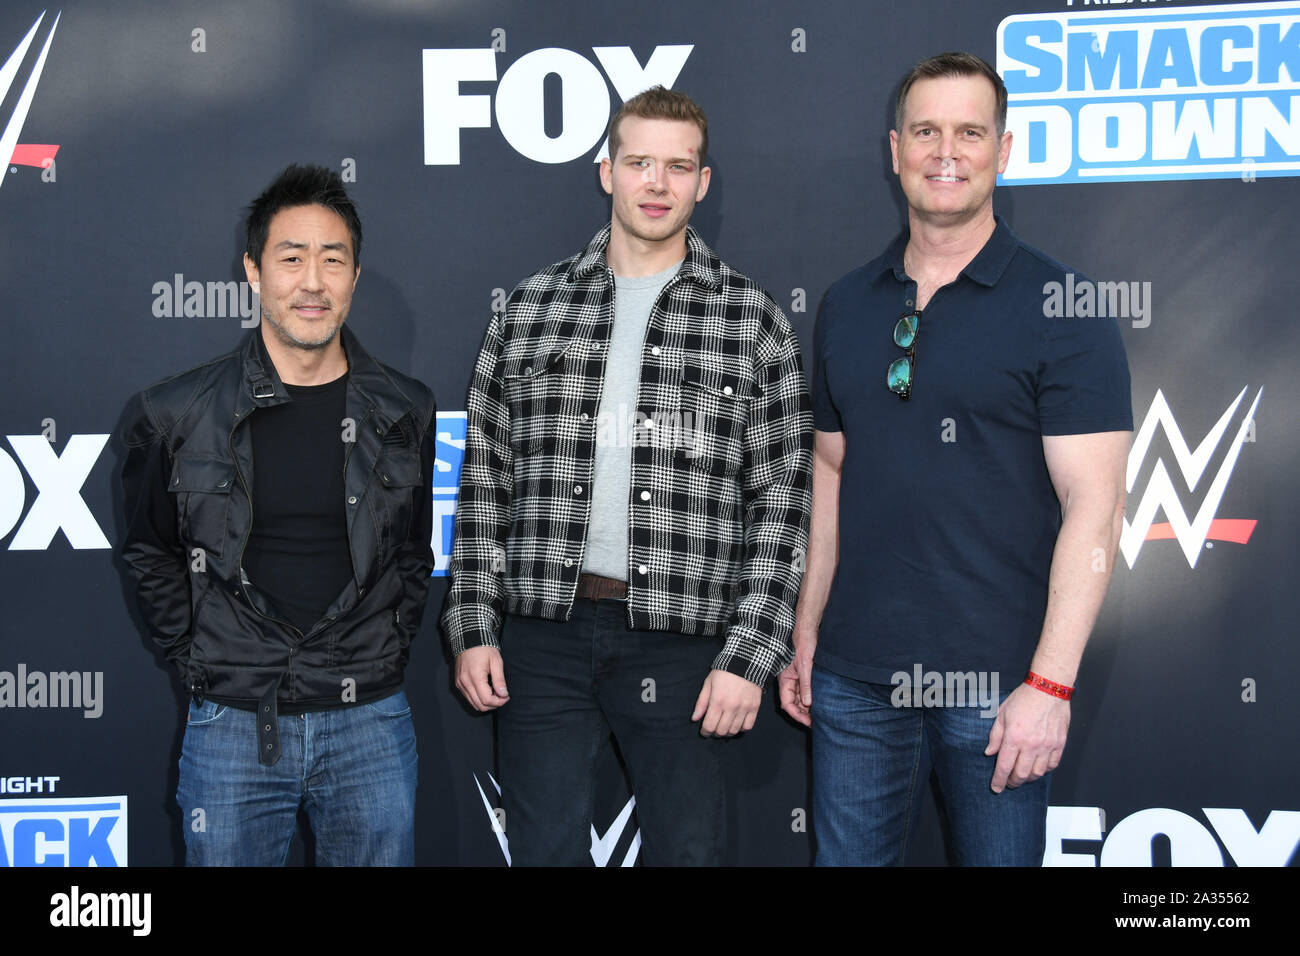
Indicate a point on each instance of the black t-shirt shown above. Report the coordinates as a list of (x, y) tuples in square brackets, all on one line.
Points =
[(297, 554), (948, 517)]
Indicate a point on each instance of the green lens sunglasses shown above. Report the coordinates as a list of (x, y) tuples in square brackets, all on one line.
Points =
[(903, 370)]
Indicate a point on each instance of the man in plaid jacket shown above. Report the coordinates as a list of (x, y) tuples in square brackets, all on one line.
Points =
[(633, 513)]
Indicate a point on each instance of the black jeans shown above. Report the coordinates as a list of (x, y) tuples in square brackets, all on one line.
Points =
[(570, 684)]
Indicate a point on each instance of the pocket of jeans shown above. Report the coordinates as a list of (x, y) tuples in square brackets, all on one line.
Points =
[(394, 705), (208, 712)]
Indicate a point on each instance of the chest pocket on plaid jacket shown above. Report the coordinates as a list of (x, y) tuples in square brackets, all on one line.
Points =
[(202, 489), (534, 390), (715, 409)]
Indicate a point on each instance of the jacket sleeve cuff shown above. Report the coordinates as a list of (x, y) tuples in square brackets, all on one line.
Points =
[(471, 627), (753, 656)]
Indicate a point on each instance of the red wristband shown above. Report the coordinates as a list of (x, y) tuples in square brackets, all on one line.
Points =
[(1049, 686)]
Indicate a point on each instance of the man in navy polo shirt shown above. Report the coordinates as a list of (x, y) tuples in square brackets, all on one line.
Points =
[(968, 493)]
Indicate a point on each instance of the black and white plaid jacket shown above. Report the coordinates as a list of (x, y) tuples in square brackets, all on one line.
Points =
[(721, 460)]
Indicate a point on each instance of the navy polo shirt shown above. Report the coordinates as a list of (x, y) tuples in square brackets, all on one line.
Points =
[(947, 515)]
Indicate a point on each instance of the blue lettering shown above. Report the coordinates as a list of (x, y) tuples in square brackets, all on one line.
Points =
[(1038, 142), (1276, 51), (25, 842), (1015, 39), (1170, 57), (448, 530), (446, 470), (85, 844), (1117, 100), (1214, 57), (1120, 56)]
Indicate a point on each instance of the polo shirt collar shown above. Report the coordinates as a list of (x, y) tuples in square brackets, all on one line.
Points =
[(987, 266)]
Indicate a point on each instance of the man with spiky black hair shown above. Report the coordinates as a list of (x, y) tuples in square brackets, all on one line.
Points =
[(290, 622)]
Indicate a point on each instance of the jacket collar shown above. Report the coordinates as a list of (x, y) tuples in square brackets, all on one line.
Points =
[(262, 380), (382, 398), (701, 264)]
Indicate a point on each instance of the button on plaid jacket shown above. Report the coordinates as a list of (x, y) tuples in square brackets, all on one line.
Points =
[(721, 453)]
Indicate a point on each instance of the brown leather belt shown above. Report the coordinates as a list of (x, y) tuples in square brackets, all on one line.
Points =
[(596, 588)]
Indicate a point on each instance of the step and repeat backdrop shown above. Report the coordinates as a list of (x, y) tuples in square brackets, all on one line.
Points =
[(1156, 146)]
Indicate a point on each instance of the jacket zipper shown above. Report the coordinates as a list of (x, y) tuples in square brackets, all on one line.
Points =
[(347, 457)]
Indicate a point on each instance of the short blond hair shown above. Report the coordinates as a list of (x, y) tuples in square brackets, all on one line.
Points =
[(659, 102)]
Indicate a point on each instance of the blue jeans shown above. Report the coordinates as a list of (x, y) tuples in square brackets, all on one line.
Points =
[(866, 787), (351, 769), (573, 682)]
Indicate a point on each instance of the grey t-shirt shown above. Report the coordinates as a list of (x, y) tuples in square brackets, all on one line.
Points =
[(606, 552)]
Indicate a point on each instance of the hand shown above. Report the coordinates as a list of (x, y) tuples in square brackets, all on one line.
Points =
[(729, 704), (481, 677), (795, 682), (1028, 736)]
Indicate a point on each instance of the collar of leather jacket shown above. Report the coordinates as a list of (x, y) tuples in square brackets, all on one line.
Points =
[(385, 402)]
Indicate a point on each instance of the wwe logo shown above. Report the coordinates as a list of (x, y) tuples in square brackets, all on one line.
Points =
[(9, 149), (1160, 493), (602, 847)]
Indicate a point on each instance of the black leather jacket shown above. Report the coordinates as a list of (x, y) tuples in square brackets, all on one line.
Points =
[(187, 479)]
